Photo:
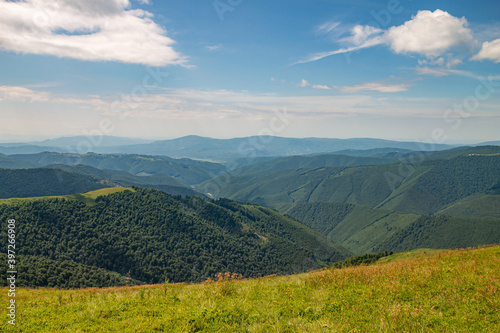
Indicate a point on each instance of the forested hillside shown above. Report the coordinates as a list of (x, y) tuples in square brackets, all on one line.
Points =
[(186, 171), (43, 272), (45, 182), (424, 188), (159, 180), (385, 207), (154, 236), (363, 229)]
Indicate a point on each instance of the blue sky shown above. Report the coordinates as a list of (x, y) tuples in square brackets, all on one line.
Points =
[(406, 70)]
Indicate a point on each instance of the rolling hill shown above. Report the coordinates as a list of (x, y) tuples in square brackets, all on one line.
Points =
[(257, 146), (423, 188), (375, 208), (418, 291), (186, 171), (46, 182), (362, 229), (153, 236), (159, 181)]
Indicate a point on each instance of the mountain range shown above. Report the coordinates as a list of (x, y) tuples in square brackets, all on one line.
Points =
[(221, 150), (271, 210)]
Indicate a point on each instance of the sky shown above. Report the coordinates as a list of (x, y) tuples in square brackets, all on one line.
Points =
[(401, 70)]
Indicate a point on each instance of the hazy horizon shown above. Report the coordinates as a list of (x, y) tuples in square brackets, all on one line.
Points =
[(403, 70), (28, 141)]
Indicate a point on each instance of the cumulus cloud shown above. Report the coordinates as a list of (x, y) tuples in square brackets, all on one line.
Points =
[(490, 51), (374, 86), (430, 34), (90, 30)]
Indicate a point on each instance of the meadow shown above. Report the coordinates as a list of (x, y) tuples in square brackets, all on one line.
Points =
[(418, 291)]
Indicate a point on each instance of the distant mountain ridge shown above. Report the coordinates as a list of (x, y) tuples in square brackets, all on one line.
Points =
[(198, 147), (257, 146)]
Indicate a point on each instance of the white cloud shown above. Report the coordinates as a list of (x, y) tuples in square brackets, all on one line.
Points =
[(91, 30), (22, 94), (320, 86), (303, 83), (213, 47), (374, 86), (490, 51), (328, 27), (360, 34), (317, 56), (431, 71), (430, 34)]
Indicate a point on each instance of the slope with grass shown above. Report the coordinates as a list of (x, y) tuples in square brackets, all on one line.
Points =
[(423, 188), (362, 229), (87, 198), (480, 205), (445, 182), (422, 291), (152, 236), (443, 232)]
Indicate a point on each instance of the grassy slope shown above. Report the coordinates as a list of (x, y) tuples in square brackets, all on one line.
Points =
[(479, 205), (443, 232), (446, 182), (362, 229), (359, 229), (423, 189), (88, 197), (424, 291)]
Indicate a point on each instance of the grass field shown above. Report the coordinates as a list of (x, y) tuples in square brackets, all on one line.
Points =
[(88, 197), (420, 291)]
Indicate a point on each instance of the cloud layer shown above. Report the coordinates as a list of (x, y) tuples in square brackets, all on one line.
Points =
[(89, 30)]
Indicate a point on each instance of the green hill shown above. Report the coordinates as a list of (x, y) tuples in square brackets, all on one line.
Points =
[(444, 232), (87, 198), (7, 162), (420, 291), (445, 182), (155, 236), (25, 183), (480, 205), (424, 188), (365, 185), (317, 161), (159, 181), (362, 229), (186, 171), (43, 272)]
